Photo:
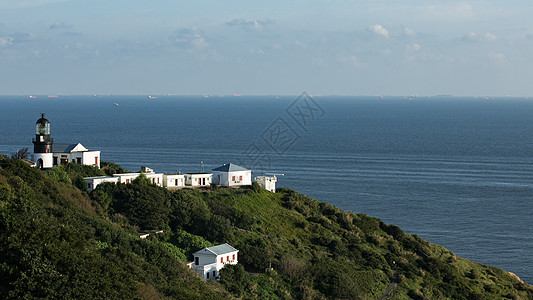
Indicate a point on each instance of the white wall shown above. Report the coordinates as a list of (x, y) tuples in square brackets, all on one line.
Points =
[(93, 182), (89, 158), (226, 178), (192, 179), (267, 182), (46, 157), (169, 180)]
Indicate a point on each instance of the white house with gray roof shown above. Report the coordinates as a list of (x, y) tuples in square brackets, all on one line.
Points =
[(232, 175), (209, 261), (75, 153)]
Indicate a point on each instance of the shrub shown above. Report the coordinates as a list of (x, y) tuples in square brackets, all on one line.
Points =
[(59, 175)]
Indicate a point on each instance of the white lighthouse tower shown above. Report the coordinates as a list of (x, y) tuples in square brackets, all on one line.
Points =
[(42, 144)]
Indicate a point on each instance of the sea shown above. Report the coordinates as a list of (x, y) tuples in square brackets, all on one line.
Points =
[(456, 171)]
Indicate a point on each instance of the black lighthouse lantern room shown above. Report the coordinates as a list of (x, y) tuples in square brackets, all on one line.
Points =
[(42, 142)]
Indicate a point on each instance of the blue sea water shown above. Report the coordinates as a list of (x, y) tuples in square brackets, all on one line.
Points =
[(456, 171)]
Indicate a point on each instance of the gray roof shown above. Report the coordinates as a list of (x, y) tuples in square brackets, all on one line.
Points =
[(230, 168), (217, 250), (63, 148)]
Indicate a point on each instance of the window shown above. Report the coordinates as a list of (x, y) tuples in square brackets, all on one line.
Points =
[(214, 274), (207, 275), (176, 184), (200, 181), (240, 178), (96, 160), (232, 178), (89, 185), (157, 180), (221, 259), (227, 258), (233, 256), (196, 260), (127, 181)]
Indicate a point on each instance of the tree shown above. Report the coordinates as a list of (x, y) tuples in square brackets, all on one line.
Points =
[(235, 279), (141, 180), (80, 183), (21, 154)]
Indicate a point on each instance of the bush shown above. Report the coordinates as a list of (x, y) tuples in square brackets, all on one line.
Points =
[(59, 175), (235, 279), (80, 183)]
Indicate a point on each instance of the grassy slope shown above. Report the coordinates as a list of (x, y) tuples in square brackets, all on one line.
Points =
[(56, 241), (297, 228)]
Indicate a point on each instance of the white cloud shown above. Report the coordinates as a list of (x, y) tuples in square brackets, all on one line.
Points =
[(188, 38), (349, 59), (489, 37), (60, 25), (414, 47), (498, 58), (276, 46), (5, 41), (252, 25), (13, 4), (386, 52), (379, 29), (475, 37), (300, 44), (408, 31), (257, 51)]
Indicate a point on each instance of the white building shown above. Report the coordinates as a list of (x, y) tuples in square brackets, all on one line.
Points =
[(208, 261), (93, 182), (75, 153), (46, 154), (198, 179), (232, 175), (155, 178), (171, 181), (267, 182)]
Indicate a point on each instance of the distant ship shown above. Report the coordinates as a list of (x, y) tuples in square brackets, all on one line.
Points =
[(152, 97), (115, 104), (33, 97), (53, 96)]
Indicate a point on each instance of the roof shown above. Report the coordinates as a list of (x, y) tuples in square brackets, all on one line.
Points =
[(29, 162), (68, 148), (198, 173), (99, 177), (230, 168), (42, 120), (217, 250), (63, 148)]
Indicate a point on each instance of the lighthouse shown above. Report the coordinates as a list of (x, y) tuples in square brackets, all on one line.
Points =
[(42, 144)]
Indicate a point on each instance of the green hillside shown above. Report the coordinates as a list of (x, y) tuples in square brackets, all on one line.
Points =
[(57, 241)]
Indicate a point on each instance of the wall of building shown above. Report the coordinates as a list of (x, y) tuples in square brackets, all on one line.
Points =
[(90, 158), (47, 159)]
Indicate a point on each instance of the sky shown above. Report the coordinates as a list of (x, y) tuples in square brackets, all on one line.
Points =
[(330, 47)]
